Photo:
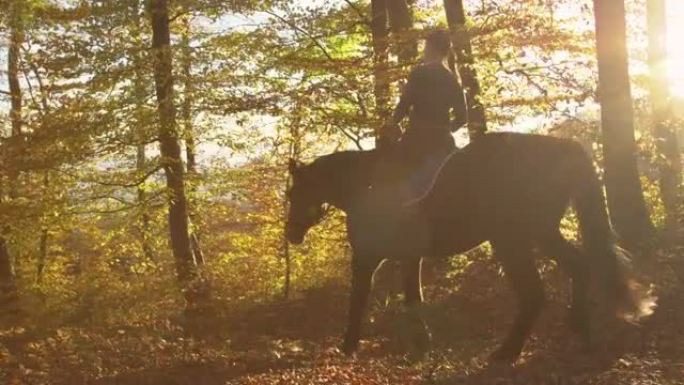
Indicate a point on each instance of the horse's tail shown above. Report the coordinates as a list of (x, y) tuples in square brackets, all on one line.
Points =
[(610, 263)]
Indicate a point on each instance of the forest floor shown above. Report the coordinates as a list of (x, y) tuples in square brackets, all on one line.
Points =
[(294, 341)]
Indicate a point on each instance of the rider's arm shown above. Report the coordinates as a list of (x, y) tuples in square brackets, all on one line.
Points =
[(405, 102), (403, 107), (391, 130), (459, 107)]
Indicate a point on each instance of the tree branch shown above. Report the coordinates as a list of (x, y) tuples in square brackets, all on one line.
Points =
[(358, 11), (304, 32)]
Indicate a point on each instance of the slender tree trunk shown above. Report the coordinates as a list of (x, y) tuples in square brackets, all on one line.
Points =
[(295, 149), (189, 136), (455, 12), (140, 94), (44, 235), (42, 257), (401, 25), (669, 157), (381, 90), (43, 245), (145, 241), (186, 111), (625, 197), (285, 244), (8, 288), (13, 52), (405, 47), (16, 38), (169, 142)]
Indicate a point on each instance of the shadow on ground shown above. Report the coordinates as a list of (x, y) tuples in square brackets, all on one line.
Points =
[(294, 342)]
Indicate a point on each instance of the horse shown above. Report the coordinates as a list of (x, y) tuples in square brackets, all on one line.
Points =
[(510, 189)]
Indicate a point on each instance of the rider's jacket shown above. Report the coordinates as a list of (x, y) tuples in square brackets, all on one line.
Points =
[(430, 94)]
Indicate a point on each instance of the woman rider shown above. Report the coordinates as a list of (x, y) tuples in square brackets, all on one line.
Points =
[(429, 97)]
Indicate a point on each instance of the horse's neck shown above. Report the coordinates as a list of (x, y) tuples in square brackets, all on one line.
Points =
[(342, 176)]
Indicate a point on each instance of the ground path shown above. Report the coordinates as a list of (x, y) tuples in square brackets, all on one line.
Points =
[(294, 342)]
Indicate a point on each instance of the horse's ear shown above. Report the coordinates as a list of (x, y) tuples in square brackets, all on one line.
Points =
[(292, 166)]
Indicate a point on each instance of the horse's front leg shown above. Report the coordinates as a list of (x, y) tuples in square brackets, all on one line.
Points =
[(418, 332), (411, 275), (362, 278)]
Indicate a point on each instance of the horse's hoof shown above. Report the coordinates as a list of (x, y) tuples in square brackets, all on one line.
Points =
[(420, 347), (349, 349), (577, 322), (505, 355), (580, 325), (573, 322), (414, 336)]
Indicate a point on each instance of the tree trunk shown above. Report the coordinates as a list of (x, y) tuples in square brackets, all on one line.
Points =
[(145, 241), (169, 142), (669, 160), (294, 154), (13, 52), (42, 257), (401, 24), (8, 288), (44, 234), (186, 112), (285, 244), (625, 197), (16, 38), (380, 34), (455, 12), (189, 135), (405, 46), (140, 95)]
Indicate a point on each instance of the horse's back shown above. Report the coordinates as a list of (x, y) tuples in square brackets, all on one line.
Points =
[(523, 146), (504, 180)]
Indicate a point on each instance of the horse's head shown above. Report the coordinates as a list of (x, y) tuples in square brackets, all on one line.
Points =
[(306, 204)]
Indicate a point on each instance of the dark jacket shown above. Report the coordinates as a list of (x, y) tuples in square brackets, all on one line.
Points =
[(428, 98)]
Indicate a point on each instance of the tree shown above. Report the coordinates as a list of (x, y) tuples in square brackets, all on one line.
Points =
[(186, 110), (140, 94), (390, 16), (668, 156), (455, 11), (7, 284), (401, 24), (381, 84), (16, 38), (625, 197), (169, 142), (188, 129)]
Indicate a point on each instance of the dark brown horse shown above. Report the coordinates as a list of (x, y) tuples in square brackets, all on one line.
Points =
[(509, 189)]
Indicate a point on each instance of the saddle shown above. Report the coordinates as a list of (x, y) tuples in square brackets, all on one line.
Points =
[(422, 178), (403, 182)]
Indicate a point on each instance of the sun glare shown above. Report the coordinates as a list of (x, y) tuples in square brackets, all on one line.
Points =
[(675, 47)]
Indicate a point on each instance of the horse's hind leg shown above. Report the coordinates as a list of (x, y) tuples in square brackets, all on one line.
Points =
[(419, 335), (362, 279), (518, 265), (574, 263)]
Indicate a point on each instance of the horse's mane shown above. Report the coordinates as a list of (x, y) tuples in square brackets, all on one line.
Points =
[(354, 168), (341, 161), (339, 175)]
